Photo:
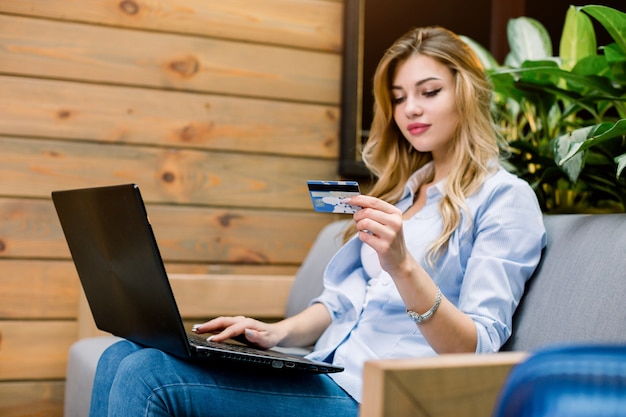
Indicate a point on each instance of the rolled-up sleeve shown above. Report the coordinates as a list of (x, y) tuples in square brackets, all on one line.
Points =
[(508, 238)]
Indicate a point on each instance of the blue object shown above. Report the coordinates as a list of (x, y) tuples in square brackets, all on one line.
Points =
[(567, 381)]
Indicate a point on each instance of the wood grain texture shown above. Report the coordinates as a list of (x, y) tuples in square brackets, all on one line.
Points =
[(442, 386), (31, 398), (219, 109), (75, 111), (313, 24), (49, 289), (31, 229), (38, 349), (54, 49), (35, 350), (165, 175), (203, 297), (206, 296), (37, 289)]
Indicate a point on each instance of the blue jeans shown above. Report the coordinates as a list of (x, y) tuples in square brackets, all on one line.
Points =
[(134, 381)]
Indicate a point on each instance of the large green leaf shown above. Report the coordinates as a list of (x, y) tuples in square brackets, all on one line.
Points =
[(614, 53), (540, 76), (547, 94), (612, 20), (596, 134), (600, 84), (592, 65), (561, 146), (578, 39), (528, 40), (582, 91), (621, 163), (616, 59), (504, 84)]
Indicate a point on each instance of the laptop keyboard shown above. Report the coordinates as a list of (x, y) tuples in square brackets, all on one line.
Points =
[(231, 347), (243, 353)]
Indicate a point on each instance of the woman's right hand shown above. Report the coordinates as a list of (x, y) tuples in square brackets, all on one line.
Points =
[(303, 329), (255, 332)]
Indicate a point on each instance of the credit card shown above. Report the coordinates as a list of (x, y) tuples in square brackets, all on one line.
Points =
[(328, 196)]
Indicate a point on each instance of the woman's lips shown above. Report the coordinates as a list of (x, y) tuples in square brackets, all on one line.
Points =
[(417, 128)]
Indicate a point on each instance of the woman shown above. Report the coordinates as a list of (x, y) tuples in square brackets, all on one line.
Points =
[(436, 260)]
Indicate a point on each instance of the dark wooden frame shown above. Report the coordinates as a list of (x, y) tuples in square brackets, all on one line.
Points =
[(351, 134)]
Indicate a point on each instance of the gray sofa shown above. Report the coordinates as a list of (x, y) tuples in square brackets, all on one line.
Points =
[(578, 292), (575, 296)]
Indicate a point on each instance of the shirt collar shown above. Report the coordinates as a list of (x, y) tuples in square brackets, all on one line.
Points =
[(418, 178)]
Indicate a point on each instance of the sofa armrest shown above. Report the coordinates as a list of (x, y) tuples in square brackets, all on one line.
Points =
[(447, 385)]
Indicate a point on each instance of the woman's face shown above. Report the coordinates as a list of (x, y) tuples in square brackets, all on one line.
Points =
[(423, 96)]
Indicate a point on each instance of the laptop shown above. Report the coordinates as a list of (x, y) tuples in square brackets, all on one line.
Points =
[(124, 279)]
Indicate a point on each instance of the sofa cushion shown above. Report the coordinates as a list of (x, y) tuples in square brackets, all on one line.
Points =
[(578, 291), (81, 368), (309, 280)]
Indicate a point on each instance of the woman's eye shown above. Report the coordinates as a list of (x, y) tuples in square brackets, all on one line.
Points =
[(397, 100), (431, 93)]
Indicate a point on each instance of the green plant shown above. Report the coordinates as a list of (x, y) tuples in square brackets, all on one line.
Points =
[(564, 117)]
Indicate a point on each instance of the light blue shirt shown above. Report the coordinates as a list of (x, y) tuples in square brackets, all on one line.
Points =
[(483, 272)]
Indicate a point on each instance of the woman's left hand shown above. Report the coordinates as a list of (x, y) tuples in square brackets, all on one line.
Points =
[(379, 224)]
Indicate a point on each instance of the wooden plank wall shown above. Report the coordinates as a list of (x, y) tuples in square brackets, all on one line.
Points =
[(218, 109)]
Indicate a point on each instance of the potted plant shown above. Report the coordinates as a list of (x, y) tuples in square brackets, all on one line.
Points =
[(563, 118)]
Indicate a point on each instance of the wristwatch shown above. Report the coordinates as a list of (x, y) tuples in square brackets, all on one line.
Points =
[(418, 318)]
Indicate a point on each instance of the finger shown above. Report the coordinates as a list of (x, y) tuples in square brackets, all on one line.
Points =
[(388, 216), (257, 338), (198, 328), (367, 201), (216, 325), (241, 338), (233, 332), (379, 225), (237, 330)]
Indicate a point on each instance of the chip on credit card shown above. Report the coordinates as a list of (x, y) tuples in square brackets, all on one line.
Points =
[(328, 196)]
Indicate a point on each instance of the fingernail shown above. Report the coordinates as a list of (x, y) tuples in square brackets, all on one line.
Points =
[(208, 339), (195, 327), (249, 332)]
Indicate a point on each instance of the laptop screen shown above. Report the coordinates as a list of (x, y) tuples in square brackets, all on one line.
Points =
[(119, 265)]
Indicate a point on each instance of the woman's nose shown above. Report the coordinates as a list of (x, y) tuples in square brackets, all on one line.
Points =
[(413, 108)]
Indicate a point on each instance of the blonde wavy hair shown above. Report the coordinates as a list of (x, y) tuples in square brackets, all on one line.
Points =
[(392, 159)]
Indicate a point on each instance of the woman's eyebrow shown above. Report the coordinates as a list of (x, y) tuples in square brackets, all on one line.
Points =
[(418, 83), (425, 80)]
